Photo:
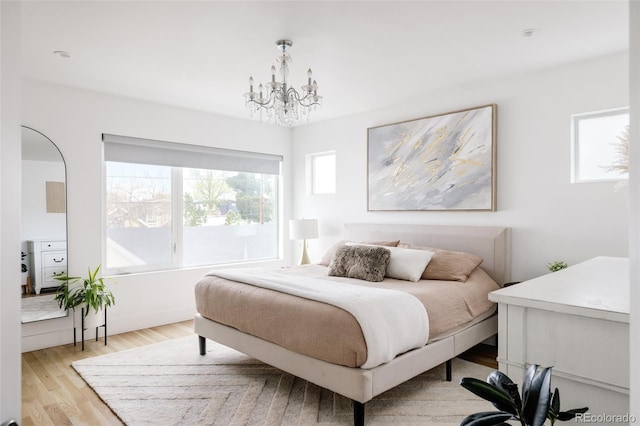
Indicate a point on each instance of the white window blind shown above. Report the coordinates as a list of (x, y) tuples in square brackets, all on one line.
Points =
[(125, 149)]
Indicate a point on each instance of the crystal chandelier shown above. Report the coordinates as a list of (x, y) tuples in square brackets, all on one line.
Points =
[(279, 102)]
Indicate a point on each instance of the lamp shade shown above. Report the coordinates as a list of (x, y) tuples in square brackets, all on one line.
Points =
[(303, 229)]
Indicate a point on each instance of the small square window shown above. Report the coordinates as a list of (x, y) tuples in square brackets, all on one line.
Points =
[(600, 145), (322, 172)]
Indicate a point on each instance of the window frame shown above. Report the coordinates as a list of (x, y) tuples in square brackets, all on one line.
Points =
[(575, 143), (311, 171), (177, 210)]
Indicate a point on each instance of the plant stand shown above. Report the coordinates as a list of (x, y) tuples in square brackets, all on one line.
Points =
[(82, 328)]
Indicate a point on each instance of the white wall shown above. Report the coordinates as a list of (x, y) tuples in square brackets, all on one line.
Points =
[(75, 120), (10, 383), (36, 222), (634, 200), (551, 218)]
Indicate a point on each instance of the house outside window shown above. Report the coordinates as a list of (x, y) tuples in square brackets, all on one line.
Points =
[(163, 213), (600, 146)]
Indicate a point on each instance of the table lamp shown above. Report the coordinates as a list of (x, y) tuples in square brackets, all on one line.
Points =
[(303, 229)]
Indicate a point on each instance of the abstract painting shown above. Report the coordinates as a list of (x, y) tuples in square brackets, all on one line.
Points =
[(443, 162)]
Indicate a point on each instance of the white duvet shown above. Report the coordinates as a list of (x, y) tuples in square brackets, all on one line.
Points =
[(392, 322)]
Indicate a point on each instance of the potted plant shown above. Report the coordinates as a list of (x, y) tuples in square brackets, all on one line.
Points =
[(91, 293), (557, 265), (536, 404)]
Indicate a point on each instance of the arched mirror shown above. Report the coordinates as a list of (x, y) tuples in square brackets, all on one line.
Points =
[(44, 226)]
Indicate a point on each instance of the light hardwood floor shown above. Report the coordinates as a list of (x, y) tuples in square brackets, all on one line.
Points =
[(54, 394)]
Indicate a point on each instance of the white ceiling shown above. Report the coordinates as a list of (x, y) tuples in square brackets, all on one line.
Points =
[(364, 54)]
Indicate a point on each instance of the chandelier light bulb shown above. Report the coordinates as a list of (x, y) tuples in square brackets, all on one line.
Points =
[(281, 103)]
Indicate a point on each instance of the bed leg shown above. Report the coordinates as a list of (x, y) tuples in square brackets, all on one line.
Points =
[(202, 342), (447, 366), (358, 413)]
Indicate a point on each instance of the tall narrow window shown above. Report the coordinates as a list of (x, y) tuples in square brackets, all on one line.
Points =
[(172, 205), (600, 145), (322, 172)]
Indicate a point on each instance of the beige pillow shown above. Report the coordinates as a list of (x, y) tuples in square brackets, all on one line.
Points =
[(448, 265), (326, 259)]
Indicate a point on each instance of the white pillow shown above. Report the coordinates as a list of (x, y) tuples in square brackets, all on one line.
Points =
[(405, 264)]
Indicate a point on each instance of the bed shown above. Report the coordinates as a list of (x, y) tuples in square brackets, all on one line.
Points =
[(351, 378)]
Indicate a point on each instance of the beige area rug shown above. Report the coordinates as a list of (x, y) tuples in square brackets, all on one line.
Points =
[(169, 383), (41, 307)]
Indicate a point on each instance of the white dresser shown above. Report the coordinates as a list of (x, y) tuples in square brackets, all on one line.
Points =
[(48, 259), (577, 321)]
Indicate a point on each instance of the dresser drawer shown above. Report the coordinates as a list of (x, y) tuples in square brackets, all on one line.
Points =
[(56, 259), (52, 245), (49, 274)]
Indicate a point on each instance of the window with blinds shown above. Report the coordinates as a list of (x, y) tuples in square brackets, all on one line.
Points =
[(171, 205)]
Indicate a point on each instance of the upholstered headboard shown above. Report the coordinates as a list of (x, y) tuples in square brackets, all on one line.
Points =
[(492, 244)]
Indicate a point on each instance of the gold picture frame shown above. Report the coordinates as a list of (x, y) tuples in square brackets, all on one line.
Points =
[(442, 162)]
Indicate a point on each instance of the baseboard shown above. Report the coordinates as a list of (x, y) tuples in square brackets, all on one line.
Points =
[(57, 332)]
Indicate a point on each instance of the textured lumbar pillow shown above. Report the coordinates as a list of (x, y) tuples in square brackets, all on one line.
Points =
[(361, 262)]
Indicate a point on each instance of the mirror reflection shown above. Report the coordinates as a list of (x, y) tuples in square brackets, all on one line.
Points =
[(44, 226)]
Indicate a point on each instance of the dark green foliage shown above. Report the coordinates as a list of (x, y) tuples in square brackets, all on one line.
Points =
[(486, 418), (536, 395), (555, 414), (504, 383), (500, 399), (532, 409)]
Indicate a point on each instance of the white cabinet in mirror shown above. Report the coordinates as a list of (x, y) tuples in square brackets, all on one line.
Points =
[(44, 225)]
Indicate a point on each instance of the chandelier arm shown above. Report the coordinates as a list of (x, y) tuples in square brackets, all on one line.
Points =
[(269, 100), (308, 100)]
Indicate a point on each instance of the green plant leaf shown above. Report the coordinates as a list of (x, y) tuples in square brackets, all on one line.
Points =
[(92, 275), (505, 384), (563, 416), (486, 418), (555, 402), (489, 392), (536, 395), (554, 407), (93, 293)]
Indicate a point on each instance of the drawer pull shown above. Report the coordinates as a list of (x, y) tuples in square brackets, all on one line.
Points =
[(59, 274), (58, 261)]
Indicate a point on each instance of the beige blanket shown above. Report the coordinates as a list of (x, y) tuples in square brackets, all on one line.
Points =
[(326, 332), (392, 322)]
